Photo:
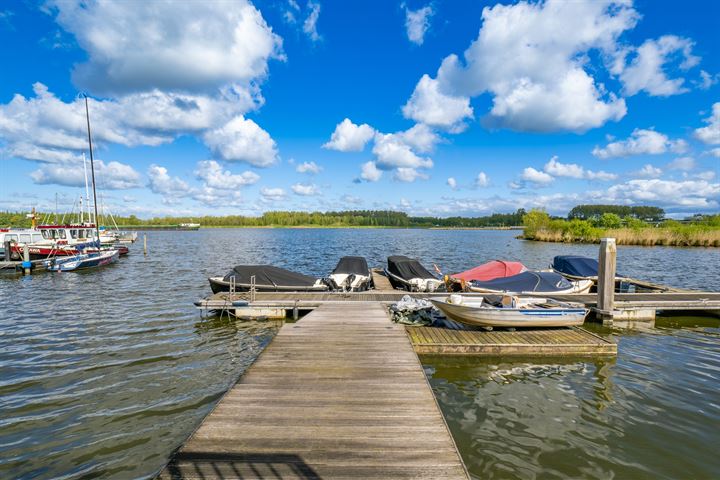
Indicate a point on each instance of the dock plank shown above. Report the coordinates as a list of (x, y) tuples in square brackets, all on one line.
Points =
[(536, 342), (339, 394)]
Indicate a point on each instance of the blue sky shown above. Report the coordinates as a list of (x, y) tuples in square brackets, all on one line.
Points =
[(434, 108)]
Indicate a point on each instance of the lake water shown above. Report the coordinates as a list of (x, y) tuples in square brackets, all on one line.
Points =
[(104, 373)]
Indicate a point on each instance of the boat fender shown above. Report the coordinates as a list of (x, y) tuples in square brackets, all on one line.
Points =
[(456, 299)]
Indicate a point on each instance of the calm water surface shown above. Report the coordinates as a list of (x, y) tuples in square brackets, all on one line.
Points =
[(105, 373)]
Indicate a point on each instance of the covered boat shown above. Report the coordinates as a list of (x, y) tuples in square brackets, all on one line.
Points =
[(267, 279), (486, 271), (510, 311), (575, 266), (351, 275), (531, 282), (408, 274)]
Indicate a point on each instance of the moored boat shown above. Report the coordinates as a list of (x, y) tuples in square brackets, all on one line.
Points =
[(351, 275), (531, 282), (575, 266), (487, 271), (510, 311), (81, 261), (266, 278), (408, 274)]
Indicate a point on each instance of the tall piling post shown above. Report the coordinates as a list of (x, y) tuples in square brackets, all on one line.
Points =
[(145, 243), (607, 261), (8, 251), (26, 264)]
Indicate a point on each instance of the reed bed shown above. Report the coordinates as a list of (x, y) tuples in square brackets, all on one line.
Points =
[(628, 236)]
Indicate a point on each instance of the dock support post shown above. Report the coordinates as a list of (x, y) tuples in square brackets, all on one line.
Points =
[(606, 280), (145, 243), (26, 259), (8, 252), (296, 312)]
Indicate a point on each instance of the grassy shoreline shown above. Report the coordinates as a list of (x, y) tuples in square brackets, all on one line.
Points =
[(627, 231)]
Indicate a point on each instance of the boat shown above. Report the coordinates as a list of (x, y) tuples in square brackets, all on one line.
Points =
[(18, 237), (81, 261), (575, 266), (510, 311), (60, 236), (351, 275), (531, 282), (408, 274), (266, 278), (65, 240), (487, 271)]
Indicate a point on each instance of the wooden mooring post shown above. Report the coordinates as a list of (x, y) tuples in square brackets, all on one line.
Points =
[(144, 243), (26, 264), (607, 260), (8, 251)]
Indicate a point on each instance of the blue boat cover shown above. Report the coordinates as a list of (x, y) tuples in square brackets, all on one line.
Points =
[(540, 282), (576, 265)]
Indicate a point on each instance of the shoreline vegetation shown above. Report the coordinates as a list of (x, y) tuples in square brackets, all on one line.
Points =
[(282, 219), (701, 231), (636, 225)]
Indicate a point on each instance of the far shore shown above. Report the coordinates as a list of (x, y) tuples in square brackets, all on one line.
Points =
[(205, 227)]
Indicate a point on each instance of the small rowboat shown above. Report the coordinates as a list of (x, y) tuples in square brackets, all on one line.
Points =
[(81, 261), (510, 311)]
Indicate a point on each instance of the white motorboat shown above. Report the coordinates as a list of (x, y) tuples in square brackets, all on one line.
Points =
[(531, 282), (510, 311), (351, 275)]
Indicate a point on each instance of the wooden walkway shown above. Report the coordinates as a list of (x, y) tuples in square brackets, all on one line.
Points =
[(458, 339), (339, 394)]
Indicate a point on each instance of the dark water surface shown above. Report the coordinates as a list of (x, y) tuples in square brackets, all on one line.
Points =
[(104, 373)]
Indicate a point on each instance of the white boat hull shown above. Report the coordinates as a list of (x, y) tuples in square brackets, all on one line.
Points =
[(471, 312)]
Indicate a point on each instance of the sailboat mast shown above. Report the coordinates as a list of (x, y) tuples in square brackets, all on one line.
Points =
[(92, 170), (87, 191)]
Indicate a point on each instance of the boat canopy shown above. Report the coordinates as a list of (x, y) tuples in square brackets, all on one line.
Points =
[(526, 282), (407, 268), (575, 265), (352, 266), (490, 270), (269, 275)]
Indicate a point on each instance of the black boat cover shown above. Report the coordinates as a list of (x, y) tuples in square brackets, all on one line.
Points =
[(407, 268), (526, 282), (269, 275), (352, 265), (576, 265)]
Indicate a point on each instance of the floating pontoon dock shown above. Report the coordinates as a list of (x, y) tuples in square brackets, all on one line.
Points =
[(339, 394)]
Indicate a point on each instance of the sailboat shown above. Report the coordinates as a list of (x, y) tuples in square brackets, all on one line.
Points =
[(85, 260)]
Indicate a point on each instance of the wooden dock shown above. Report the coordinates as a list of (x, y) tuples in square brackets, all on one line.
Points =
[(339, 394), (457, 339)]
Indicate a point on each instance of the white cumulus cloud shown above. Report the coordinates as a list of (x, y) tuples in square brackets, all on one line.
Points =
[(242, 140), (305, 189), (138, 46), (649, 171), (572, 170), (534, 67), (452, 183), (641, 142), (111, 175), (308, 167), (417, 23), (429, 105), (482, 180), (645, 71), (212, 174), (349, 137), (171, 188), (310, 24), (682, 163), (536, 177), (272, 194), (711, 133), (370, 172), (687, 194)]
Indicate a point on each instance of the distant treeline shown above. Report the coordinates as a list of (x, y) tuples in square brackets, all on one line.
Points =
[(353, 218), (590, 212)]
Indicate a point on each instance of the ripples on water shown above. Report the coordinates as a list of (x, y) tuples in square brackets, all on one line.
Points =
[(104, 373)]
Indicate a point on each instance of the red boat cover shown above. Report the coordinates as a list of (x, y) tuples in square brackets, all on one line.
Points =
[(491, 270)]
